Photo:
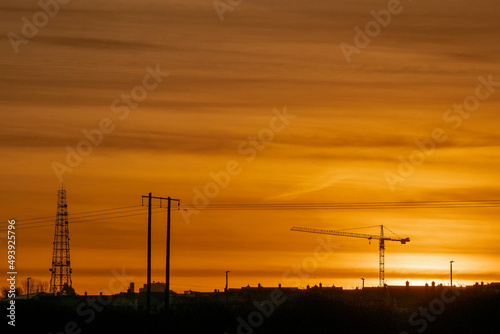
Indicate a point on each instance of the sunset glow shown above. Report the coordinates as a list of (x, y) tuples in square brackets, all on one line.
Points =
[(261, 108)]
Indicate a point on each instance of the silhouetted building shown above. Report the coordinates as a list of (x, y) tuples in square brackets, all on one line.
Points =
[(155, 287)]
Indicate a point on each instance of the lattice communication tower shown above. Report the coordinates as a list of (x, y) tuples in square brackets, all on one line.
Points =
[(61, 264)]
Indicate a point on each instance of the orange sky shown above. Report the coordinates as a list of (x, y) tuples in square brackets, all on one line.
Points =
[(352, 123)]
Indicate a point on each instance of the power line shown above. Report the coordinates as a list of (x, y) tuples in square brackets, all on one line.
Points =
[(85, 212), (350, 206), (102, 215), (73, 218), (87, 220), (79, 215), (298, 206), (357, 203)]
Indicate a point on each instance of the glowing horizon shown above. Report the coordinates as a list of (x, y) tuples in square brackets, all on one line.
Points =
[(122, 98)]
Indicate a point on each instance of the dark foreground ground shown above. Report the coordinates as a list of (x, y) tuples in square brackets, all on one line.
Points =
[(306, 313)]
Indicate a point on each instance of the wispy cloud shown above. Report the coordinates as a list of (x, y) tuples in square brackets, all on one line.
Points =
[(316, 183)]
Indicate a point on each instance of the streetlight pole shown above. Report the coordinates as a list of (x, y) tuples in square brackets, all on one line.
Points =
[(225, 290), (28, 294), (363, 290), (451, 273)]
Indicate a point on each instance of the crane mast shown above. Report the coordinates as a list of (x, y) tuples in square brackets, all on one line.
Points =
[(381, 258), (381, 241)]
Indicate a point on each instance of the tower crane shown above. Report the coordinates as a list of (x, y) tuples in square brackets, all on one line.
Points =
[(381, 241)]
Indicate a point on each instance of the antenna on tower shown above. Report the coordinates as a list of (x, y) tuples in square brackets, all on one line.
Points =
[(61, 264)]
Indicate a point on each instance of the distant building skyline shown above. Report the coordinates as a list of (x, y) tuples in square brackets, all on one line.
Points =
[(260, 108)]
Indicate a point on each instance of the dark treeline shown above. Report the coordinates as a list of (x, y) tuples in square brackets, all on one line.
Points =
[(301, 314)]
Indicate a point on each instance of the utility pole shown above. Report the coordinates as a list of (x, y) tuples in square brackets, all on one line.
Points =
[(28, 294), (167, 269), (148, 287), (451, 273)]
